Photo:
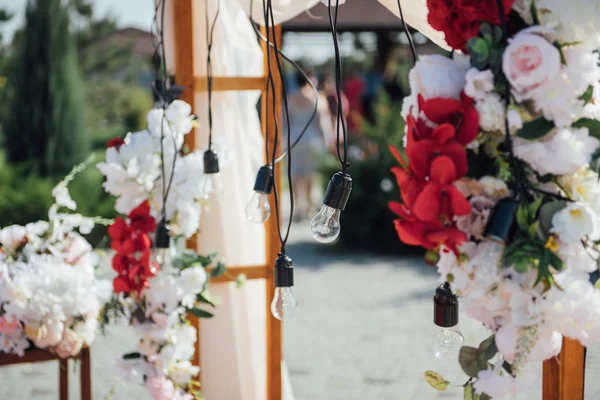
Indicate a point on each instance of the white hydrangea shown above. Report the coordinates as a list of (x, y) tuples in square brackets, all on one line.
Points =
[(491, 112), (569, 150), (478, 83)]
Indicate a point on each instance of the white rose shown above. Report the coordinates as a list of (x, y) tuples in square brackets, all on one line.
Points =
[(182, 372), (576, 221), (478, 83), (12, 237), (530, 62)]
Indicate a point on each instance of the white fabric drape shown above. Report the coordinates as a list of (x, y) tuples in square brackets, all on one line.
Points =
[(415, 14)]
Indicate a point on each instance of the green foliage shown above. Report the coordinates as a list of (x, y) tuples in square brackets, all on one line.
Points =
[(486, 49), (46, 123), (535, 129), (436, 381), (473, 360), (367, 221)]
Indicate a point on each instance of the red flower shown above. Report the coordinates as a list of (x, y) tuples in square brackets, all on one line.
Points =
[(460, 20), (115, 142), (119, 231), (460, 114), (140, 218), (122, 285)]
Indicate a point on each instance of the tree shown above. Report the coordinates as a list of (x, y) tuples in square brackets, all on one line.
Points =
[(46, 125)]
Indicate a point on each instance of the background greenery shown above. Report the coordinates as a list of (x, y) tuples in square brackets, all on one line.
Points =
[(62, 97)]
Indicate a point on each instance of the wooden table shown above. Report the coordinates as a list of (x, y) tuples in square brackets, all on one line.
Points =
[(37, 355)]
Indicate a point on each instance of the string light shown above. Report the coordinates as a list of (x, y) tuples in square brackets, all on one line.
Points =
[(325, 226), (212, 178), (258, 209)]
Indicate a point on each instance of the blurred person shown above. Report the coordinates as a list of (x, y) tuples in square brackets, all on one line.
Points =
[(330, 93), (354, 86), (308, 152)]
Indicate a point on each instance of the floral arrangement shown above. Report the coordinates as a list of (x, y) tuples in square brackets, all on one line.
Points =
[(50, 297), (155, 288), (512, 118)]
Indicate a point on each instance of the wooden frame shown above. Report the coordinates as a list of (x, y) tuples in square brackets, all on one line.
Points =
[(37, 355), (564, 375), (185, 76)]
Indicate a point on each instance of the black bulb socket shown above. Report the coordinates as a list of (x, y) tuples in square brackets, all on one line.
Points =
[(284, 271), (338, 191), (445, 307), (264, 180), (502, 220), (211, 162), (163, 237)]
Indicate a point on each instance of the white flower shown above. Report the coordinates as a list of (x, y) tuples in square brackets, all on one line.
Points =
[(436, 76), (478, 83), (583, 186), (576, 221), (494, 187), (577, 21), (175, 121), (491, 112), (182, 372), (530, 62), (192, 282), (563, 153), (495, 384), (63, 197), (12, 237), (164, 294)]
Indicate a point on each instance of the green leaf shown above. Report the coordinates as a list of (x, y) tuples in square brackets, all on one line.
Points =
[(206, 298), (587, 96), (486, 32), (478, 46), (535, 207), (535, 129), (555, 260), (484, 396), (199, 313), (488, 348), (498, 35), (534, 13), (472, 361), (436, 381), (470, 392), (593, 126), (546, 214), (219, 270), (132, 356), (533, 228)]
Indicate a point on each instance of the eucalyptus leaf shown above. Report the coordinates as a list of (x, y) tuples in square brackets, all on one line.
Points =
[(472, 361), (546, 214), (219, 270), (587, 96), (592, 125), (199, 312), (498, 35), (470, 392), (536, 129), (436, 381), (488, 347), (132, 356), (206, 298), (487, 32)]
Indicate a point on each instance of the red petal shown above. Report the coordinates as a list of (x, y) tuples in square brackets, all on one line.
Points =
[(121, 284), (439, 110), (410, 233), (399, 209), (443, 133), (428, 202), (458, 154), (458, 203), (469, 127), (443, 170), (398, 156), (419, 157)]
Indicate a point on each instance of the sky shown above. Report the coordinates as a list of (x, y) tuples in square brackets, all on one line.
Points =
[(136, 13)]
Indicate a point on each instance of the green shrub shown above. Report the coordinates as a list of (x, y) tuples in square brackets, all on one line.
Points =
[(367, 222)]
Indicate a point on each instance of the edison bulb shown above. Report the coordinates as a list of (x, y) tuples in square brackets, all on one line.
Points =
[(162, 260), (211, 185), (446, 343), (258, 209), (284, 303), (325, 226)]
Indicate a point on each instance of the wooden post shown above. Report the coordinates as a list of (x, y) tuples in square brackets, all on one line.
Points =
[(274, 334), (85, 374), (63, 379), (183, 38), (564, 375)]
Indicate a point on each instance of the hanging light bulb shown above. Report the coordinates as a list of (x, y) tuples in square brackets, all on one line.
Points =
[(162, 254), (258, 209), (447, 339), (284, 303), (325, 226), (212, 178)]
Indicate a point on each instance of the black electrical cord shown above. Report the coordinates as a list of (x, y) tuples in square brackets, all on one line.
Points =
[(210, 31), (306, 77), (408, 34), (333, 17), (270, 23)]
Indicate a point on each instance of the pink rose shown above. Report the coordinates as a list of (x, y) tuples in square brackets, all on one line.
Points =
[(69, 346), (9, 324), (530, 61), (161, 388)]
